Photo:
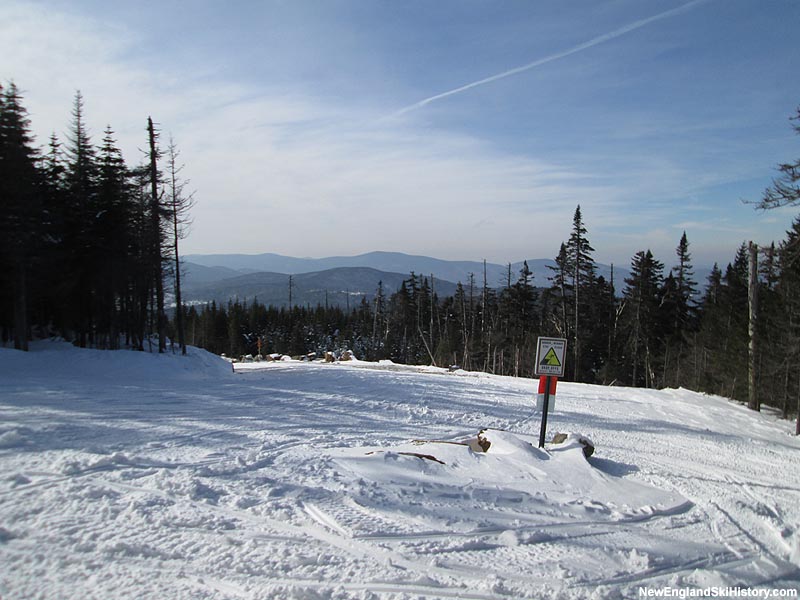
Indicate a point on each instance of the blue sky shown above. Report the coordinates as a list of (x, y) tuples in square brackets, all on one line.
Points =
[(462, 129)]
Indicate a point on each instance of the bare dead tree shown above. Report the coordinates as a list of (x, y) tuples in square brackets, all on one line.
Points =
[(180, 203)]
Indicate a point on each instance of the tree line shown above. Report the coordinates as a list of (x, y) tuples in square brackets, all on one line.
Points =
[(659, 330), (90, 252), (87, 242)]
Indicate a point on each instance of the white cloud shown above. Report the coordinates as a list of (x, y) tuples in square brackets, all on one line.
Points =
[(280, 169)]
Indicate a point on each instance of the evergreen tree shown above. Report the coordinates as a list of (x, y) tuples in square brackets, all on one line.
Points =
[(641, 317), (20, 191), (76, 236), (379, 324), (599, 331), (685, 314), (583, 278), (570, 298), (722, 340), (156, 232), (558, 299), (680, 312), (785, 189), (788, 290), (111, 233), (705, 343), (79, 226), (522, 319), (55, 260)]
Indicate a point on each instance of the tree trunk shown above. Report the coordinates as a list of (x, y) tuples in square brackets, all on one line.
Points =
[(576, 340), (21, 308), (155, 216), (178, 300), (753, 401)]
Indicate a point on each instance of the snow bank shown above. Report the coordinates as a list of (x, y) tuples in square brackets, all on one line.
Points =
[(49, 360), (558, 480)]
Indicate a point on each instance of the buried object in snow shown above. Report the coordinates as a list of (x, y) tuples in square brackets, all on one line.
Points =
[(487, 436), (573, 438), (503, 442)]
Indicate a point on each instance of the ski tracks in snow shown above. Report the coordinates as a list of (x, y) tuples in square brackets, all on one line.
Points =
[(232, 491)]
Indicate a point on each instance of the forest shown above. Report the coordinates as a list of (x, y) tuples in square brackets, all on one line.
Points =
[(90, 253), (89, 245)]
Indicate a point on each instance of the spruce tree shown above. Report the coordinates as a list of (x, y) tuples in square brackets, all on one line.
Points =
[(686, 288), (522, 318), (54, 260), (379, 324), (788, 289), (79, 226), (680, 313), (112, 234), (20, 214), (785, 189), (642, 318), (156, 233), (583, 277), (560, 293), (723, 334)]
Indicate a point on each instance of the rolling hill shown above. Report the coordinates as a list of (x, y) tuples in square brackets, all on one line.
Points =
[(344, 280), (344, 286)]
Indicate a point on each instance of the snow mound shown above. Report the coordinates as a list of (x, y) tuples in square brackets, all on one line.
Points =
[(509, 477), (12, 439), (503, 442), (55, 358)]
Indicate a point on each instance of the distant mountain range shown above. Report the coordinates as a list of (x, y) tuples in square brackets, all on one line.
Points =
[(344, 280), (226, 265), (345, 286)]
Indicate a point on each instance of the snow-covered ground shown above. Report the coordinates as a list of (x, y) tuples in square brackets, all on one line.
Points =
[(132, 475)]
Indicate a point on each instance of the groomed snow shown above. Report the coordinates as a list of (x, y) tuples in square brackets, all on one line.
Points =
[(134, 475)]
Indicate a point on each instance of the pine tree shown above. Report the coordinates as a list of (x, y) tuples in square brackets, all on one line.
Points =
[(583, 277), (156, 241), (708, 339), (112, 238), (680, 313), (558, 298), (379, 324), (722, 340), (82, 209), (519, 302), (788, 289), (641, 317), (686, 288), (599, 331), (20, 215), (785, 189), (54, 260), (771, 331)]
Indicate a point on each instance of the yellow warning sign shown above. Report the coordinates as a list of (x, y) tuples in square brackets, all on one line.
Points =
[(550, 359), (550, 356)]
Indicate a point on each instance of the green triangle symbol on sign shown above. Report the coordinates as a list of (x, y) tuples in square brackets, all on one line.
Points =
[(550, 359)]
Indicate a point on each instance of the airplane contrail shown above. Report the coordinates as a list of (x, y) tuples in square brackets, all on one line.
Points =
[(532, 65)]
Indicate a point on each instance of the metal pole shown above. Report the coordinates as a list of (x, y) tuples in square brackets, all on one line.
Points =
[(545, 407)]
